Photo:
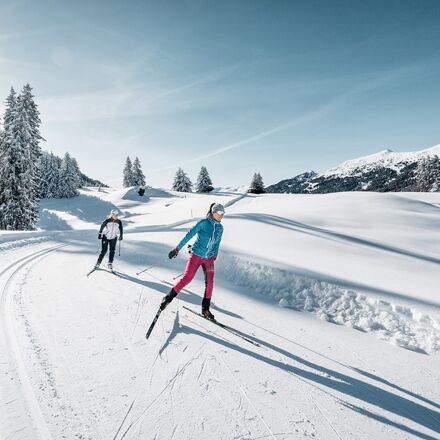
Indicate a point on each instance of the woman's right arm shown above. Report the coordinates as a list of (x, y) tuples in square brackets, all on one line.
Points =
[(190, 234), (104, 223)]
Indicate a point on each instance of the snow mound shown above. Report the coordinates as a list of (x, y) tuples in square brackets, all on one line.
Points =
[(401, 326), (133, 195)]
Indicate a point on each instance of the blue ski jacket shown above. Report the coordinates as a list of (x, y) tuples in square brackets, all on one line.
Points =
[(209, 234)]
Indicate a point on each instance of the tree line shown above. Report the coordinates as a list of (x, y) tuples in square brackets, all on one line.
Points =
[(183, 183), (27, 173), (132, 175)]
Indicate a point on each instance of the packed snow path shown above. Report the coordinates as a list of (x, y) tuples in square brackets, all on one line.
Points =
[(75, 363)]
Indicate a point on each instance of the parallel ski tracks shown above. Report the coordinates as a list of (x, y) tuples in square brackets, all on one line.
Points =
[(13, 350)]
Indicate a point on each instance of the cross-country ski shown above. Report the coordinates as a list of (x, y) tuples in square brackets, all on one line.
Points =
[(223, 326)]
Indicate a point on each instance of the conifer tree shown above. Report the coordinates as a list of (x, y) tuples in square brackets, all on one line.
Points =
[(257, 185), (204, 182), (182, 183), (138, 175), (127, 174)]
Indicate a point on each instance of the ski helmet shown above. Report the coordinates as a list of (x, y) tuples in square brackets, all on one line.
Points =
[(114, 212)]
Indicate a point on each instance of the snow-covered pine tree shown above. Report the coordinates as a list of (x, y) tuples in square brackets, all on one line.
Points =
[(49, 167), (423, 181), (428, 174), (127, 174), (27, 106), (18, 198), (55, 187), (182, 183), (52, 176), (435, 171), (138, 175), (204, 182), (44, 168), (7, 120), (257, 185), (68, 182), (77, 172)]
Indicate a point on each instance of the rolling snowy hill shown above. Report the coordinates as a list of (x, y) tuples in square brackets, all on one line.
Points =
[(339, 290)]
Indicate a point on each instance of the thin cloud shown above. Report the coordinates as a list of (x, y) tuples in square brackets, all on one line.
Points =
[(315, 114), (119, 102), (24, 34)]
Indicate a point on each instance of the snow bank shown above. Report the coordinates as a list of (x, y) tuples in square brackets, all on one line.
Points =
[(15, 240), (401, 326)]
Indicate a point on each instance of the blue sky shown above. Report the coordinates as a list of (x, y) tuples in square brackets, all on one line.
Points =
[(279, 87)]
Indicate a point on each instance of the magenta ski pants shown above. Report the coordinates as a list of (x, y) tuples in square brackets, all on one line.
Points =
[(192, 266)]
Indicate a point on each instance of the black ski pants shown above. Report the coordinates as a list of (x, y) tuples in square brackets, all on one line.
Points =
[(105, 244)]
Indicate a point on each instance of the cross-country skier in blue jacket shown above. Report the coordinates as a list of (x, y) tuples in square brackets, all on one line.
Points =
[(204, 252)]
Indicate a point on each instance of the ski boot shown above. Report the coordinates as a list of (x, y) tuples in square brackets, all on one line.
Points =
[(167, 299), (110, 266), (205, 309)]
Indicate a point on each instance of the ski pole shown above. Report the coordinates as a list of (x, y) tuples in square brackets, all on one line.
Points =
[(178, 276), (142, 271), (119, 254), (148, 268)]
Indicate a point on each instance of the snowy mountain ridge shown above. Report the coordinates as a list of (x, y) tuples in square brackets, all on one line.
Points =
[(385, 171), (385, 159)]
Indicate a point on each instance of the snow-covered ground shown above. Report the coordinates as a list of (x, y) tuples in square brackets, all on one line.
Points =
[(339, 290)]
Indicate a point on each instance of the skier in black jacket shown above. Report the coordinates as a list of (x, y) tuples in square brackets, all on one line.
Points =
[(109, 232)]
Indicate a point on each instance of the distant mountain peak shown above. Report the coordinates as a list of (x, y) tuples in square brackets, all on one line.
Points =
[(386, 170)]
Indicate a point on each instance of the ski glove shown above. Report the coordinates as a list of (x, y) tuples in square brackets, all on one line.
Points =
[(120, 238), (99, 236), (173, 253)]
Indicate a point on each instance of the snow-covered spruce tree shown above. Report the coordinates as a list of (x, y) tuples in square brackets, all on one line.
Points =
[(69, 179), (18, 198), (257, 185), (7, 118), (138, 175), (424, 179), (50, 170), (127, 174), (204, 182), (77, 172), (428, 174), (54, 190), (44, 168), (27, 106), (182, 183), (435, 171)]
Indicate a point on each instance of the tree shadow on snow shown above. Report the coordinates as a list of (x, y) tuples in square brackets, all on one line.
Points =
[(84, 207), (49, 221), (304, 228)]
